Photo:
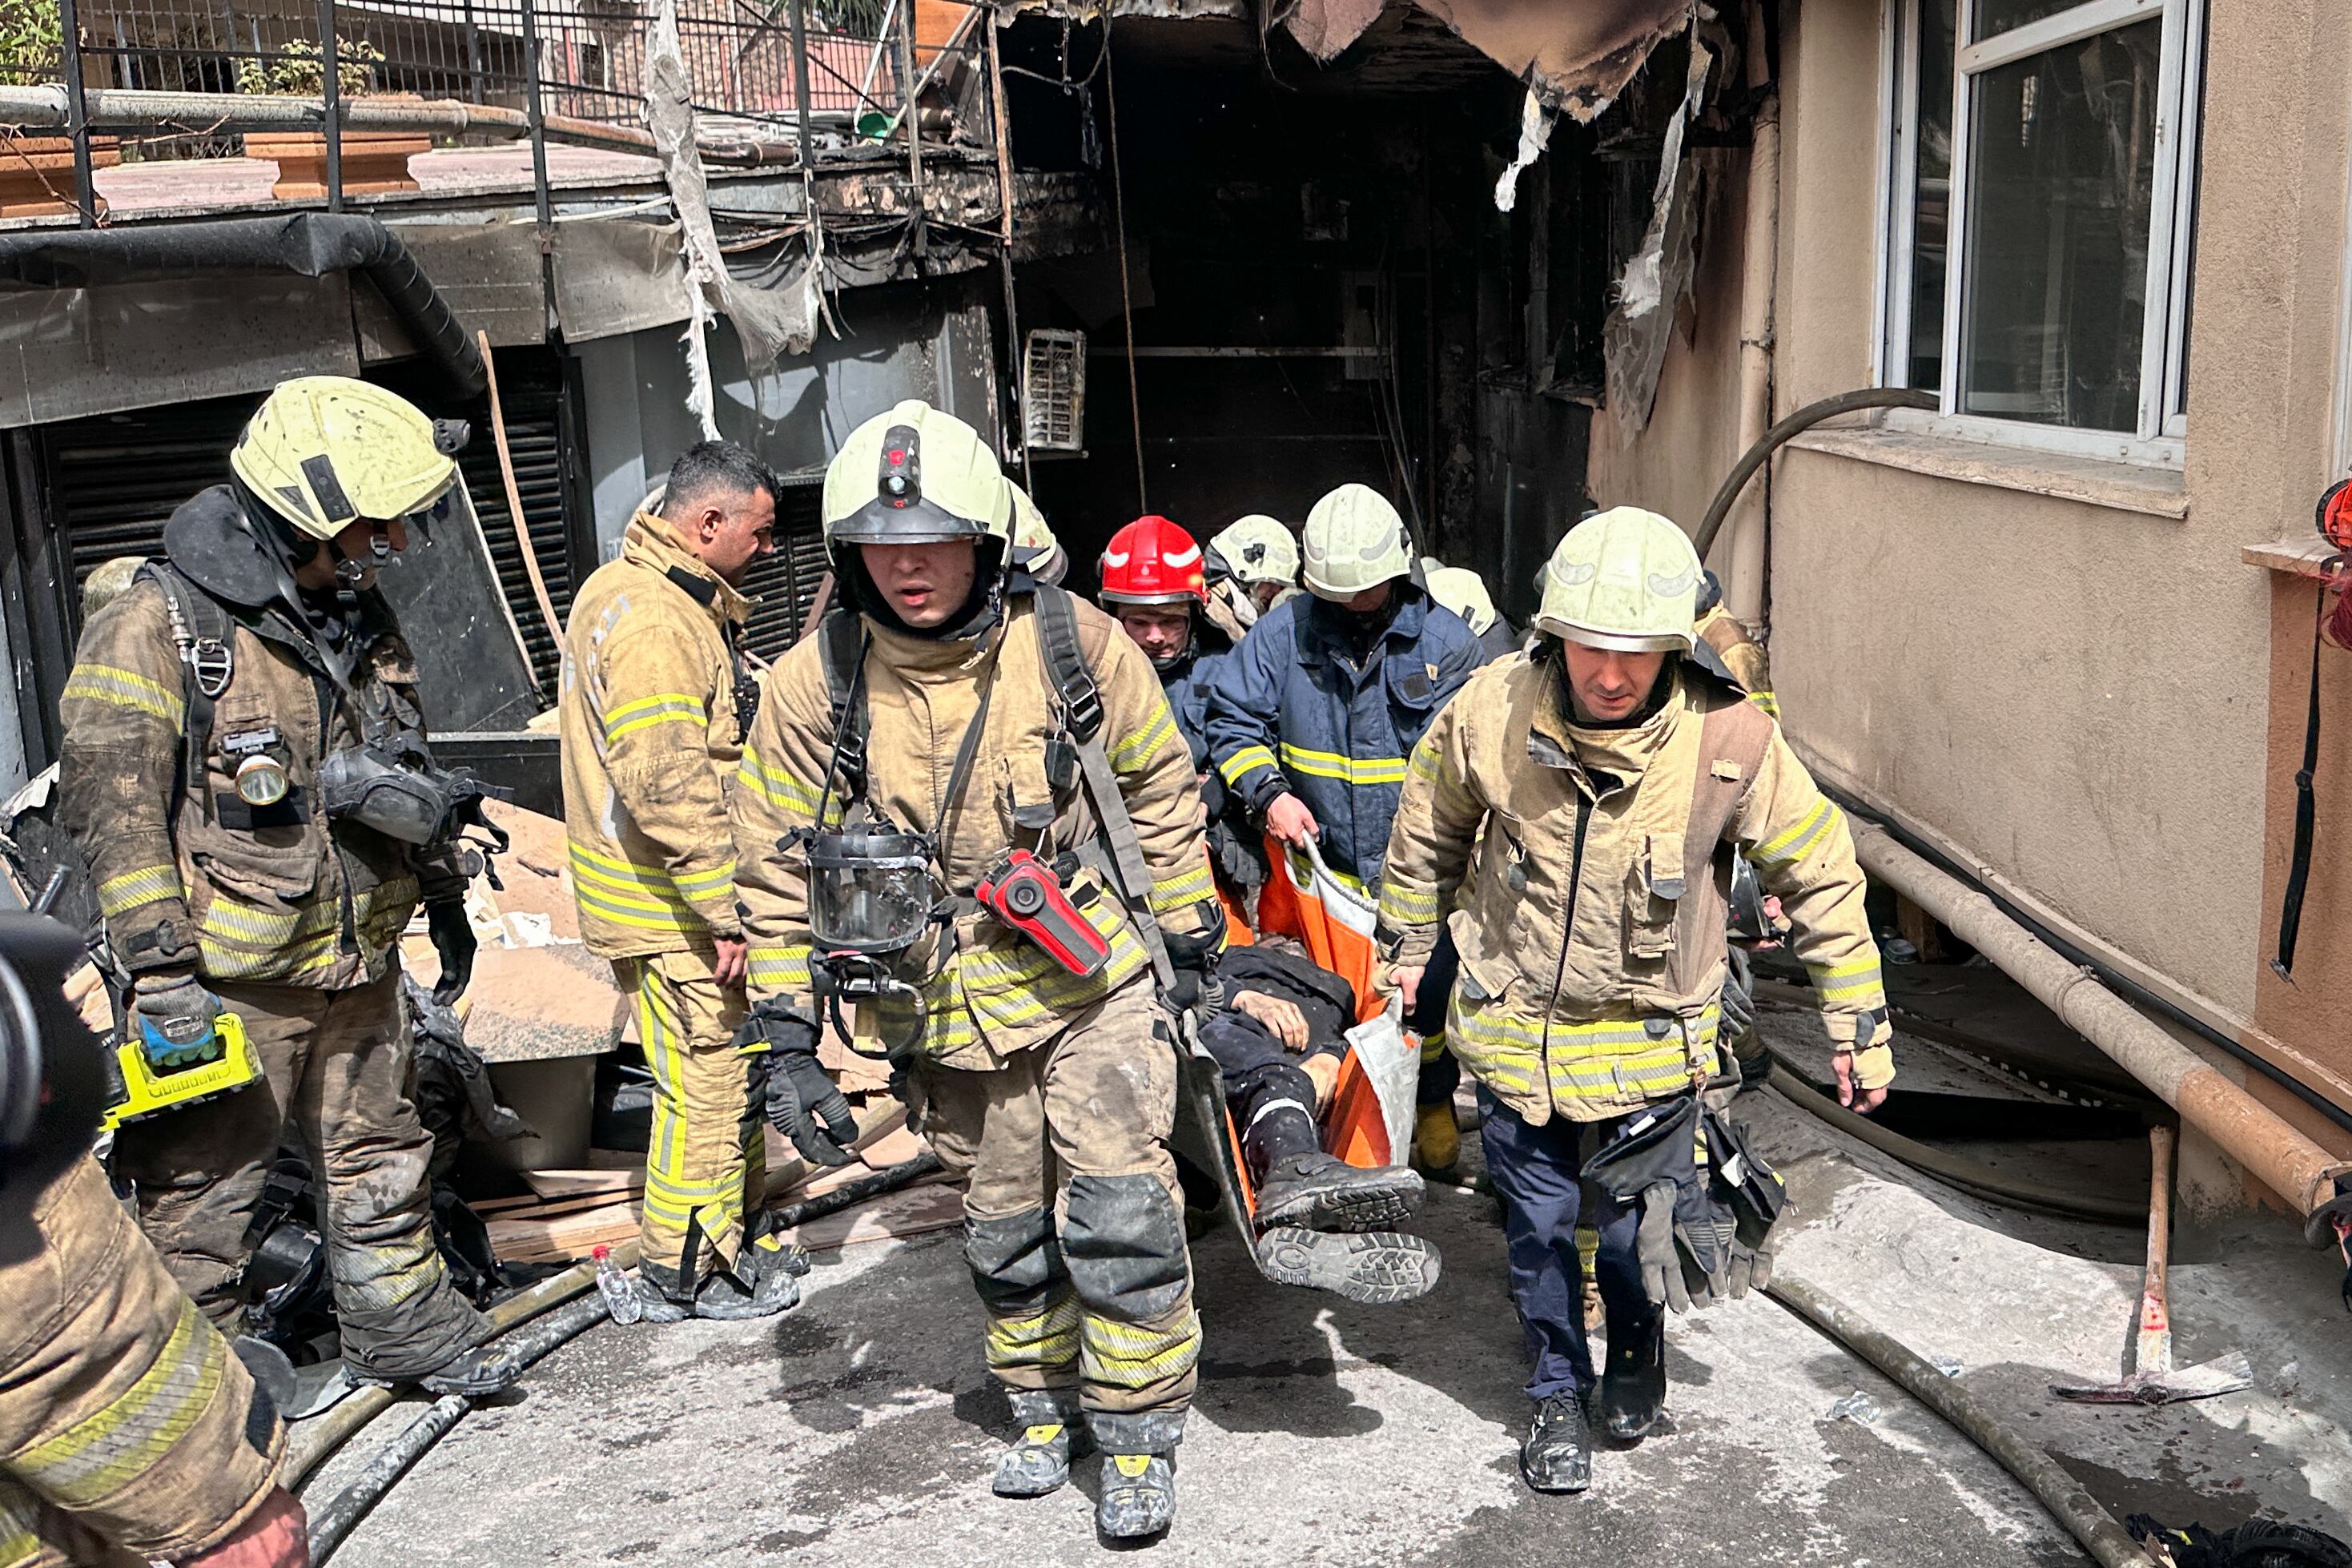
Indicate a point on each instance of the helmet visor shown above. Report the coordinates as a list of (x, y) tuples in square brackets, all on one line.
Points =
[(1615, 642), (920, 522)]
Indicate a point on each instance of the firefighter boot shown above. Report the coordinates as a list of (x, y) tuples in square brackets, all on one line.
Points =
[(1633, 1383), (765, 1281), (1376, 1267), (477, 1373), (1556, 1455), (1039, 1460), (1139, 1496), (1323, 1192), (1436, 1140)]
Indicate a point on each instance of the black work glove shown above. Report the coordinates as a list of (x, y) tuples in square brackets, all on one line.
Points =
[(1193, 959), (1754, 1195), (454, 939), (802, 1103)]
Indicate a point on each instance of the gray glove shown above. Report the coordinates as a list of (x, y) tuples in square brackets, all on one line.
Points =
[(174, 1014)]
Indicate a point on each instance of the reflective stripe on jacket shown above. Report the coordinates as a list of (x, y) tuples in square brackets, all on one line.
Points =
[(988, 991), (124, 1416), (1292, 710), (651, 747), (1578, 872), (270, 894)]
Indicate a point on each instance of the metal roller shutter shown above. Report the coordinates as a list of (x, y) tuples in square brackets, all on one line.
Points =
[(785, 584)]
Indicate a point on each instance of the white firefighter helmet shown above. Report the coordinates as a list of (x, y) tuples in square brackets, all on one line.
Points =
[(1623, 579), (1258, 549), (1354, 541), (915, 475)]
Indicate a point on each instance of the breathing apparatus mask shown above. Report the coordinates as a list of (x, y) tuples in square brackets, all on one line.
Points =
[(871, 899)]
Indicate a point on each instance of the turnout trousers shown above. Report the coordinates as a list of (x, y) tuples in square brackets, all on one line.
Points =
[(706, 1161), (1536, 1171), (1073, 1226), (338, 1064)]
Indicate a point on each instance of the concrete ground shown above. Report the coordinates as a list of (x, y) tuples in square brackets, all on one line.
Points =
[(860, 1428)]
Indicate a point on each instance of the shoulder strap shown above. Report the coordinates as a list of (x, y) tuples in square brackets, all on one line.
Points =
[(1082, 717), (205, 636), (1733, 739), (840, 642)]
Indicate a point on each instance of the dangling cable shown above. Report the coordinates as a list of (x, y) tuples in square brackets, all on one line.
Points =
[(1126, 303)]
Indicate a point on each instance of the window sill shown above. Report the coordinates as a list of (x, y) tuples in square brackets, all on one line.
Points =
[(2158, 492), (2295, 557)]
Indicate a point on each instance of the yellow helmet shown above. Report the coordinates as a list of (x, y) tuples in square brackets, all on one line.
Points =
[(325, 451), (1034, 544), (915, 475), (1355, 540), (1259, 550), (1624, 579)]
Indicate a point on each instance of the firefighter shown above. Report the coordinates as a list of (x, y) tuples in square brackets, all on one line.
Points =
[(129, 1430), (1279, 1040), (654, 693), (1310, 721), (1259, 558), (1035, 549), (1463, 592), (245, 771), (1596, 785), (132, 1431), (946, 724), (1741, 653)]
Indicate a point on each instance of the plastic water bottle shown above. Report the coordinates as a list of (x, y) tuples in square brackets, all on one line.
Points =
[(621, 1298)]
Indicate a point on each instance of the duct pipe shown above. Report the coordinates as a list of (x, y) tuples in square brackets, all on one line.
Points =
[(132, 109), (1743, 585), (2278, 1155), (309, 245)]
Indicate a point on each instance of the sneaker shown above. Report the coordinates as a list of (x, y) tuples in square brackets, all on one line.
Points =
[(1323, 1192), (1557, 1456), (1139, 1496), (1376, 1267)]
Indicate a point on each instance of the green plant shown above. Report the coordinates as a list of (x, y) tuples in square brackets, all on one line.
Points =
[(296, 71), (31, 40)]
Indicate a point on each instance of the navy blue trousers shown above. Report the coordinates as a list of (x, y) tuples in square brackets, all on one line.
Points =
[(1535, 1171)]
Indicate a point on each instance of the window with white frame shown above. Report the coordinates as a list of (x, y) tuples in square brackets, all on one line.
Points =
[(2042, 178)]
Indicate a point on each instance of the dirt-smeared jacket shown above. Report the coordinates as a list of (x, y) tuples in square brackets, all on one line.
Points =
[(989, 992), (124, 1416), (269, 893), (1578, 870), (651, 741)]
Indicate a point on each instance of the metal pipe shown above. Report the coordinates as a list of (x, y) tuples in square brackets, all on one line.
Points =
[(1746, 567), (331, 94), (1002, 126), (910, 122), (535, 116), (801, 82), (47, 108), (77, 113), (2282, 1158)]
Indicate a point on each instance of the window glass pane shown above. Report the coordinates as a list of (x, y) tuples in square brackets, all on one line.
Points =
[(1999, 15), (1931, 202), (2062, 158)]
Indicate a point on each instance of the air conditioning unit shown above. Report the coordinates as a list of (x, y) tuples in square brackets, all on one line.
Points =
[(1053, 391)]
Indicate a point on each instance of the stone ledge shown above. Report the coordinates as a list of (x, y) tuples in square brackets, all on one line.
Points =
[(2094, 481)]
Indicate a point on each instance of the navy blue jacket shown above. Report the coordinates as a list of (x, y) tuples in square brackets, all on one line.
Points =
[(1291, 711)]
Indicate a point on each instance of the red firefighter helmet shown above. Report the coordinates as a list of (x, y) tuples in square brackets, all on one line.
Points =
[(1152, 562)]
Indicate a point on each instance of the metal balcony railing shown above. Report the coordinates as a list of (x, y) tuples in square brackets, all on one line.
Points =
[(518, 66)]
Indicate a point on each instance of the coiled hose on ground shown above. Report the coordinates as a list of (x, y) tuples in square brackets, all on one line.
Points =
[(526, 1346)]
